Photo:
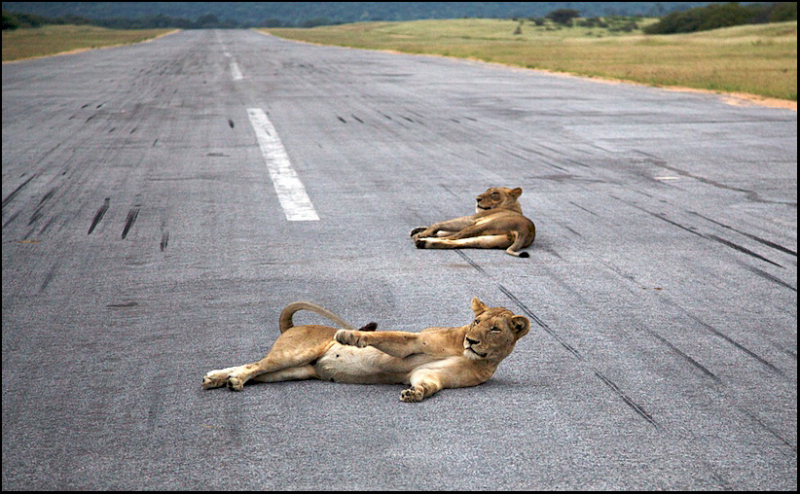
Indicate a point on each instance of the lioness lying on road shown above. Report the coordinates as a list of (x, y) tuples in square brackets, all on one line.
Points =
[(433, 359), (497, 224)]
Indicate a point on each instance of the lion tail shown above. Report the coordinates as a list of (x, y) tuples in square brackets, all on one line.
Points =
[(289, 311)]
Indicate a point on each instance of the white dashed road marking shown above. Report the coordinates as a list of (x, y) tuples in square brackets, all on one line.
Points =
[(291, 193), (235, 72)]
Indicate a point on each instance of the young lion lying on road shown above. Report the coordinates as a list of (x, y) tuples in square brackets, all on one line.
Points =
[(429, 361), (497, 224)]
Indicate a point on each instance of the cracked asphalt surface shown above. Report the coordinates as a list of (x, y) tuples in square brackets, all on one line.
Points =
[(144, 244)]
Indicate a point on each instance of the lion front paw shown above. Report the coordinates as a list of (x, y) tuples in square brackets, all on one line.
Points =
[(420, 243), (416, 231), (351, 338), (235, 384), (411, 395)]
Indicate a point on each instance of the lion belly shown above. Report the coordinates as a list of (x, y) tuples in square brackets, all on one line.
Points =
[(349, 364)]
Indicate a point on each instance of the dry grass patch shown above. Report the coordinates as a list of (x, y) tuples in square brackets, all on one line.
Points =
[(760, 60), (51, 40)]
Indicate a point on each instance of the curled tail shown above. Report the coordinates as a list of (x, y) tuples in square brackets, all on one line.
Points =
[(289, 310), (521, 241)]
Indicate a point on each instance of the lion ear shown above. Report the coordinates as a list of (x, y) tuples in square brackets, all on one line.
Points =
[(515, 193), (520, 325), (478, 307)]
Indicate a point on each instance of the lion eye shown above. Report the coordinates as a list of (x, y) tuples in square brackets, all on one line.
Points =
[(495, 329), (476, 321)]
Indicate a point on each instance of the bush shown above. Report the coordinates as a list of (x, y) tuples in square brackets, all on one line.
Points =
[(783, 12), (702, 19), (317, 21), (592, 22), (563, 16), (625, 28), (715, 16), (9, 22), (16, 20)]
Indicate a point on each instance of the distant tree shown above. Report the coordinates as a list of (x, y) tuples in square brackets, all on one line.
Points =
[(9, 21), (317, 21), (24, 20), (783, 12), (271, 23), (207, 21), (563, 16), (592, 22), (626, 27), (715, 16)]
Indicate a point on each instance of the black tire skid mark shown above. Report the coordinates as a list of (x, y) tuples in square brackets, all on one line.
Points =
[(98, 216), (130, 220), (638, 409)]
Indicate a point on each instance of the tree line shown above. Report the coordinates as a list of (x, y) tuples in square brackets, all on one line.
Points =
[(14, 20), (715, 16), (696, 19)]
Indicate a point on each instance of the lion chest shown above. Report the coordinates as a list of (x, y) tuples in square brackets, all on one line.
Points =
[(368, 365)]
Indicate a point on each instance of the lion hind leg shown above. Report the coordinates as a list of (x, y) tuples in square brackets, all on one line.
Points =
[(297, 347), (482, 242), (217, 378), (453, 225), (273, 362), (290, 374)]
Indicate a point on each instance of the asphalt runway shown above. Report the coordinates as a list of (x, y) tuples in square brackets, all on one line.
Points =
[(146, 243)]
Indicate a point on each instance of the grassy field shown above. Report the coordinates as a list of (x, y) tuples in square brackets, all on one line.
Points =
[(50, 40), (759, 60)]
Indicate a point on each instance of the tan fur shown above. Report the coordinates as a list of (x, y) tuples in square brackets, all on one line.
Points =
[(497, 224), (431, 360)]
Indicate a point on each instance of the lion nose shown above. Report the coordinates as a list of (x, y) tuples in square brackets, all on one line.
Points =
[(472, 342)]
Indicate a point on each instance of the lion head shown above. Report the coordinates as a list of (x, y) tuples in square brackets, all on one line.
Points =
[(493, 333), (499, 198)]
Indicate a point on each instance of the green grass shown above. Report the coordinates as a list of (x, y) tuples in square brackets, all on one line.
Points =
[(51, 40), (759, 60)]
